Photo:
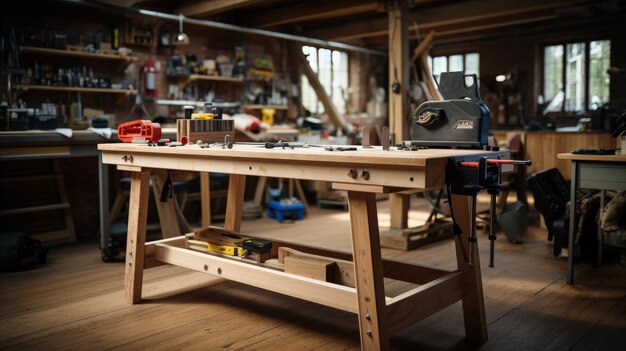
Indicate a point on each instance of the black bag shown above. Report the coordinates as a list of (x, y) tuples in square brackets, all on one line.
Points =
[(551, 193), (19, 251)]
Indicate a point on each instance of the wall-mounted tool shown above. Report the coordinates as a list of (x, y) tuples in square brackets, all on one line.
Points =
[(150, 131)]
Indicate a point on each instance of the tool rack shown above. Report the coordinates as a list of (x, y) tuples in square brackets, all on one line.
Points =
[(363, 173)]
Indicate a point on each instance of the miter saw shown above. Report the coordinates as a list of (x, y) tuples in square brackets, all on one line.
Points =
[(459, 121)]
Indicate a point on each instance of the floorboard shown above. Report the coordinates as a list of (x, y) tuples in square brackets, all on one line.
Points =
[(75, 301)]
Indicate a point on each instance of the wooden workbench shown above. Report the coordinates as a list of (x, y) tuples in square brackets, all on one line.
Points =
[(378, 172)]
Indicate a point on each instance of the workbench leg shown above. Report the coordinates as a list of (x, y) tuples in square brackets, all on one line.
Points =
[(572, 224), (136, 242), (205, 198), (103, 178), (473, 300), (234, 206), (368, 271)]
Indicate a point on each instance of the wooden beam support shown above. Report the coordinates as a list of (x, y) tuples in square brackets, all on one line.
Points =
[(328, 294), (442, 17), (329, 107), (398, 102), (398, 73), (409, 307), (300, 13), (211, 7)]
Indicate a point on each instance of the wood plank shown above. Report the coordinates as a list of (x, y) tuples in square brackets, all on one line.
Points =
[(327, 294), (343, 270), (313, 268), (136, 237)]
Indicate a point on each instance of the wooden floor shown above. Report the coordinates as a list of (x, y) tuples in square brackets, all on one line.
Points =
[(74, 302)]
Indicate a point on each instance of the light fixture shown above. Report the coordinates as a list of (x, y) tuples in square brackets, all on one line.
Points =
[(181, 38), (500, 78)]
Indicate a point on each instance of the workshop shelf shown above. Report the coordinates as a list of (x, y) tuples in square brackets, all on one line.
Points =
[(70, 53)]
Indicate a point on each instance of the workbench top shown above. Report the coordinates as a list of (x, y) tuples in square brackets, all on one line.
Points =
[(365, 167), (374, 155)]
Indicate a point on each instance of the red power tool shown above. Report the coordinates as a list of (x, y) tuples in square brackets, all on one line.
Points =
[(139, 129)]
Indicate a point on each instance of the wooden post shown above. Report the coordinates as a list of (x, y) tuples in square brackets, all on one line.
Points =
[(234, 206), (205, 198), (473, 300), (398, 104), (368, 271), (136, 240)]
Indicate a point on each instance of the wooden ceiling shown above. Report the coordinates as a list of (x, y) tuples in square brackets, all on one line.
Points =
[(364, 22)]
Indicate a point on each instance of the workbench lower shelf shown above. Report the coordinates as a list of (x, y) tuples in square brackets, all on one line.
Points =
[(403, 310)]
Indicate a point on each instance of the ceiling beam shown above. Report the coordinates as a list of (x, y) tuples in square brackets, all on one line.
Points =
[(441, 16), (299, 13), (211, 7), (123, 3)]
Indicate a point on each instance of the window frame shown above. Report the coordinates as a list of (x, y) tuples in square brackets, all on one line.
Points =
[(317, 110), (463, 54), (587, 72)]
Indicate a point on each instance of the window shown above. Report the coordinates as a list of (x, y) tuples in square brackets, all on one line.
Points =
[(331, 67), (574, 76), (467, 63)]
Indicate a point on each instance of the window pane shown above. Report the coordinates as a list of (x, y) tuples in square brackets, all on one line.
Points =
[(600, 57), (472, 64), (311, 56), (553, 72), (324, 73), (575, 77), (440, 64), (309, 98), (340, 80), (455, 63)]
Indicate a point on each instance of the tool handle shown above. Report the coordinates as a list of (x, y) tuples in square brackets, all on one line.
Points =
[(476, 164), (510, 162)]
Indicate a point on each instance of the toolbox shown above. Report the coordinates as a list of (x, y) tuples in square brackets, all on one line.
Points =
[(285, 208)]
